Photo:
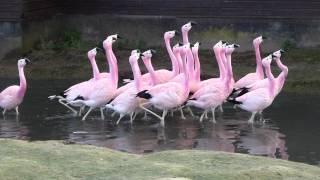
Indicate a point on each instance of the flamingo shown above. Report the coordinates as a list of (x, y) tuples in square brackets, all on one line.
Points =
[(265, 83), (169, 95), (185, 37), (127, 102), (256, 76), (103, 90), (12, 96), (77, 90), (210, 97), (259, 99)]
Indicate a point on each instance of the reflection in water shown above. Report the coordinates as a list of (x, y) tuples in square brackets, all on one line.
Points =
[(42, 119)]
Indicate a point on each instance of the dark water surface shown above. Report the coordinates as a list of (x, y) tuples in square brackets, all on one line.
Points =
[(292, 129)]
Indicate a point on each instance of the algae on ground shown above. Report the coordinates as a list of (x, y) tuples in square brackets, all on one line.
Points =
[(54, 160)]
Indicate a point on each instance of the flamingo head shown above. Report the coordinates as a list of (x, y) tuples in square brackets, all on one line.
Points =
[(231, 47), (195, 47), (278, 54), (187, 27), (134, 57), (257, 41), (148, 53), (219, 44), (107, 43), (135, 51), (267, 60), (170, 34), (92, 53), (23, 62)]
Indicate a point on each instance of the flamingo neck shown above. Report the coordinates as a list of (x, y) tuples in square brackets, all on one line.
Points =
[(186, 68), (147, 63), (220, 63), (95, 69), (230, 71), (185, 37), (113, 67), (115, 63), (197, 66), (271, 80), (283, 67), (136, 75), (180, 62), (227, 64), (175, 66), (259, 69), (23, 82), (190, 63)]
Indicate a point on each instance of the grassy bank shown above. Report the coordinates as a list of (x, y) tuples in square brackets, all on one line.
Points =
[(54, 160), (303, 64)]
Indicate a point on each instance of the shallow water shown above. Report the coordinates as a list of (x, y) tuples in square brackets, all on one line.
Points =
[(291, 130)]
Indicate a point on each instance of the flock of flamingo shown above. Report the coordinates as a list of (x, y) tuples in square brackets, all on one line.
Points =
[(166, 90)]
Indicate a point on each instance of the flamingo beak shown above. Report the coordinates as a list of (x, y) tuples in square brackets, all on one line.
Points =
[(236, 45), (176, 33), (273, 56), (141, 55), (27, 61), (119, 37), (180, 44), (282, 51), (193, 23), (223, 41), (153, 51), (100, 50), (263, 37)]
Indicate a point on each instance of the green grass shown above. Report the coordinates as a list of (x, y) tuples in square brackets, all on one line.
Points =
[(54, 160)]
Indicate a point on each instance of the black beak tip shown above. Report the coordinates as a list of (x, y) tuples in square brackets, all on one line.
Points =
[(141, 55), (176, 33), (263, 37), (153, 51), (27, 61), (191, 45), (223, 41), (180, 44), (119, 37), (193, 23), (273, 56), (282, 51), (236, 45)]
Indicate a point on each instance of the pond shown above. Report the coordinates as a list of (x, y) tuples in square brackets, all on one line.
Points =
[(291, 130)]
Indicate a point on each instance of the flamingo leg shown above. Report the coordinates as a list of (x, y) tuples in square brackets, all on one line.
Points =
[(67, 106), (190, 111), (213, 116), (85, 116), (202, 115), (114, 113), (4, 111), (135, 115), (120, 117), (102, 114), (17, 110), (206, 114), (182, 114), (148, 110), (81, 110), (251, 120), (164, 113), (220, 108), (131, 117), (171, 113), (145, 115)]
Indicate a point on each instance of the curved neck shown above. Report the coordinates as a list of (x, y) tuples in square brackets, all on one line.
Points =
[(220, 63), (147, 63), (190, 63), (186, 73), (23, 82), (229, 66), (271, 80), (283, 67), (180, 62), (175, 67), (259, 69), (113, 67), (283, 75), (115, 62), (136, 75), (95, 69), (197, 66), (185, 37)]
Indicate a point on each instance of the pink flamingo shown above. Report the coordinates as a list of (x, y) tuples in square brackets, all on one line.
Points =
[(169, 95), (127, 102), (265, 83), (185, 37), (103, 90), (77, 90), (210, 97), (259, 99), (12, 96), (258, 75)]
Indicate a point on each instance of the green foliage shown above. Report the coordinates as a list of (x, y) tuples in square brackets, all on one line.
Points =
[(288, 44)]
